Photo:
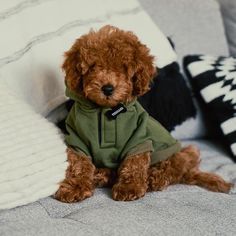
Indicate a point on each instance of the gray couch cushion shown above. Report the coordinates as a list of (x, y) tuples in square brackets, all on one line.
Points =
[(228, 8), (194, 29)]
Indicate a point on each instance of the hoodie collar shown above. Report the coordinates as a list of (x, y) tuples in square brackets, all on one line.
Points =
[(86, 104)]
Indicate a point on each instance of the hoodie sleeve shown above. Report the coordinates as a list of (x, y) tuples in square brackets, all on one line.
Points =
[(140, 141), (151, 136), (163, 143)]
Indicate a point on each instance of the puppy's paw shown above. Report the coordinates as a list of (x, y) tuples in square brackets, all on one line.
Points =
[(128, 191), (156, 180), (73, 193)]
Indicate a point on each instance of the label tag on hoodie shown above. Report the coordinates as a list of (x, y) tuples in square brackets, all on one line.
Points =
[(115, 111)]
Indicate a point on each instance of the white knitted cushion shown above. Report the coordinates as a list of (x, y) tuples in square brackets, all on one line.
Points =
[(32, 153)]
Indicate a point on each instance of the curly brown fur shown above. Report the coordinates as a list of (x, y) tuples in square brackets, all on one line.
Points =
[(117, 58), (132, 178), (104, 177), (173, 169), (78, 183), (183, 167), (207, 180)]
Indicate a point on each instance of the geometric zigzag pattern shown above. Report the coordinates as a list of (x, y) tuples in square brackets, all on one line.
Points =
[(214, 79)]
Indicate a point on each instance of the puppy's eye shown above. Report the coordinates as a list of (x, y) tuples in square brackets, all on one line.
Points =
[(133, 78), (92, 67)]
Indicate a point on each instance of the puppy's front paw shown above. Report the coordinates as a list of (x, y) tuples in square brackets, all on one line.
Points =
[(73, 193), (128, 191)]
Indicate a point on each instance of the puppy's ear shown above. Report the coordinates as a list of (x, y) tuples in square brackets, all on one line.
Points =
[(73, 67), (144, 72)]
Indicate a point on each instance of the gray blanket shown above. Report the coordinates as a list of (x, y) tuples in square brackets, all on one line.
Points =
[(179, 210)]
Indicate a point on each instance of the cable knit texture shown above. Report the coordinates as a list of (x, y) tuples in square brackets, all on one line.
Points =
[(32, 153)]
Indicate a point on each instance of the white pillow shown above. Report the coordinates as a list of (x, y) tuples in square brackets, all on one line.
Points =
[(32, 153), (35, 34)]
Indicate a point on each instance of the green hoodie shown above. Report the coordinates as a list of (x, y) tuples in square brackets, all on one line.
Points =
[(107, 142)]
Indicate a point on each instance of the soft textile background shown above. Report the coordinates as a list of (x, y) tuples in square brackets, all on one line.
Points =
[(32, 153), (194, 26), (213, 79), (36, 33)]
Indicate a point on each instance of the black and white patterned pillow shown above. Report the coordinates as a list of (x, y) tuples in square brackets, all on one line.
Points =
[(214, 79), (160, 101)]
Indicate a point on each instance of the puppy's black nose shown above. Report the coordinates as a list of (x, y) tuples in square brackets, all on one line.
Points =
[(108, 89)]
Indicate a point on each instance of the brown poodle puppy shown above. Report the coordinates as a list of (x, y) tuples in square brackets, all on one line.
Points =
[(107, 68)]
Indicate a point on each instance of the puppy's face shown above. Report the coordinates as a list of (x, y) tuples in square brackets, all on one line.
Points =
[(109, 67), (107, 86)]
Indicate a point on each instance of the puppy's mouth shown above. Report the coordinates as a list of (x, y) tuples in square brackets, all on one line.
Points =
[(102, 100), (107, 101), (108, 98)]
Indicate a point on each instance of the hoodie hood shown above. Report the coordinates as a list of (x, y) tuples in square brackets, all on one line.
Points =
[(86, 104), (81, 100)]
